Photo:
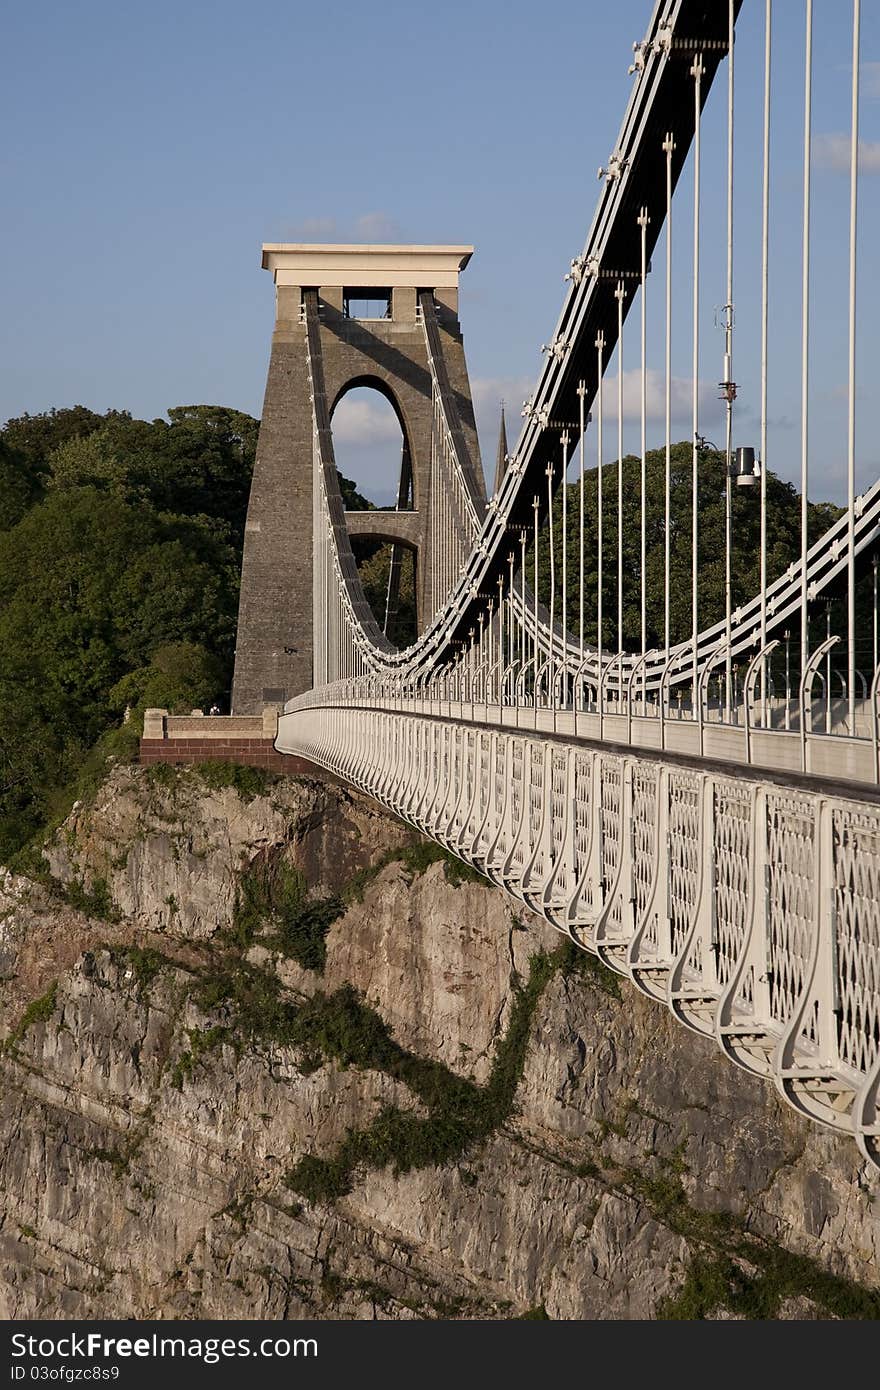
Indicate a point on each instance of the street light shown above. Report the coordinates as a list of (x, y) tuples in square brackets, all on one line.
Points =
[(749, 470), (741, 465), (746, 469)]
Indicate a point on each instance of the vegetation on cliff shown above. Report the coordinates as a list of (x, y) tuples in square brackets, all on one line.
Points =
[(120, 552), (119, 563)]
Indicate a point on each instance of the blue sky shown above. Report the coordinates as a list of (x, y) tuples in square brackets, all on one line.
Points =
[(150, 150)]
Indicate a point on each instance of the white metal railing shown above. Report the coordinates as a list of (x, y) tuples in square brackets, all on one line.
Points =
[(748, 907)]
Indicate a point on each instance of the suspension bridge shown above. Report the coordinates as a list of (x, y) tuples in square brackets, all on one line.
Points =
[(701, 807)]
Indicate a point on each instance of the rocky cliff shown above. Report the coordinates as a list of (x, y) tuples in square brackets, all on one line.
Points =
[(267, 1054)]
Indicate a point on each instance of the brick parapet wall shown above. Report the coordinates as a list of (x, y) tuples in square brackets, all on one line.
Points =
[(253, 752)]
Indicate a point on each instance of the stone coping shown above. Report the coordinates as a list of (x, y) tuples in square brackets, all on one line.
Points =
[(159, 724), (214, 726), (388, 266)]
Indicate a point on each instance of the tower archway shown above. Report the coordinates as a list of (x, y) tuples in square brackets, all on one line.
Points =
[(374, 462)]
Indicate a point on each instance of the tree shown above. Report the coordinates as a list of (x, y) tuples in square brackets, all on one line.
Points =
[(373, 569), (35, 436), (352, 500), (179, 676), (783, 544), (38, 749), (20, 485), (87, 460), (92, 589)]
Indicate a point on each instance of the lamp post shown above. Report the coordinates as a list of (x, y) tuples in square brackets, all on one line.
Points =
[(745, 471), (827, 603), (875, 612)]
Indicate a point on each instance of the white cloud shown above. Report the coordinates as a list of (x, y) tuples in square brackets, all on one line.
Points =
[(376, 226), (315, 229), (367, 227), (488, 392), (359, 421), (833, 151), (655, 396), (367, 435)]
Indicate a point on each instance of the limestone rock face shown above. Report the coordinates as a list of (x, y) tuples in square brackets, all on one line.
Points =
[(159, 1091), (445, 992), (171, 848)]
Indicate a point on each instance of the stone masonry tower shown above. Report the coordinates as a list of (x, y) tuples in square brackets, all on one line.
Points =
[(386, 350)]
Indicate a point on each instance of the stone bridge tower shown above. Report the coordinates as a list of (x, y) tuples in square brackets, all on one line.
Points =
[(273, 660)]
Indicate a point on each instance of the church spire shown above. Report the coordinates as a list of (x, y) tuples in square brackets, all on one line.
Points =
[(501, 457)]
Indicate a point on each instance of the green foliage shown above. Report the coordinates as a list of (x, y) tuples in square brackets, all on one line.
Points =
[(28, 860), (20, 485), (460, 1115), (783, 542), (198, 465), (357, 885), (87, 461), (302, 934), (180, 676), (273, 902), (416, 858), (202, 1041), (162, 775), (374, 567), (266, 888), (117, 1159), (120, 550), (339, 1026), (38, 1011), (733, 1269), (704, 1290), (34, 750), (95, 901), (257, 1009), (247, 781), (576, 962), (323, 1179), (119, 557), (419, 857), (88, 589), (118, 744), (36, 436), (753, 1278), (145, 963), (352, 500)]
